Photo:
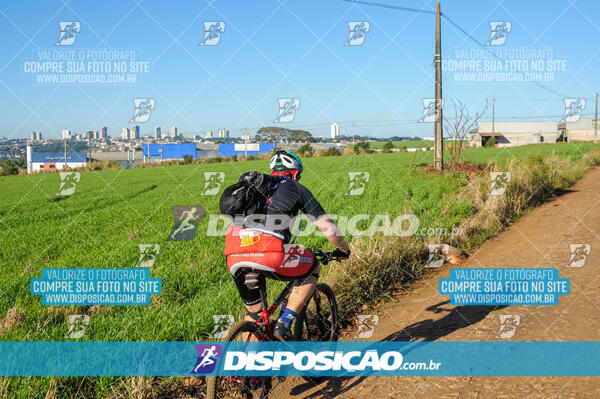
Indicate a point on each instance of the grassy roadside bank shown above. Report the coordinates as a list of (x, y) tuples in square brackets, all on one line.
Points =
[(380, 266)]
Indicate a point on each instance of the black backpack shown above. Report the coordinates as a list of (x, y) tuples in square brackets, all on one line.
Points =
[(249, 195)]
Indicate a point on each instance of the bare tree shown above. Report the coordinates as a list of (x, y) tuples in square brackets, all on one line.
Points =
[(458, 129)]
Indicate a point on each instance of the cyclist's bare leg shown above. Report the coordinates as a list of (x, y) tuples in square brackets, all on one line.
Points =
[(301, 293), (254, 309)]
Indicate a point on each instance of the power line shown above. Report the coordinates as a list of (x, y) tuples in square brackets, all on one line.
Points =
[(366, 3), (457, 26), (464, 32)]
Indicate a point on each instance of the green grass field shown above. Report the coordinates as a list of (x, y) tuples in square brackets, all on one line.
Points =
[(404, 143), (113, 211)]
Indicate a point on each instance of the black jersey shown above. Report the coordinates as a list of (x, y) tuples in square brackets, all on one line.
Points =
[(287, 199)]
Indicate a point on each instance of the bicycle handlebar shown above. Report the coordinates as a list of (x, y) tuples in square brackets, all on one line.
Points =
[(326, 257)]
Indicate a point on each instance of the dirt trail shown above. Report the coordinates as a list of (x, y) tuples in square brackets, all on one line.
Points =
[(540, 239)]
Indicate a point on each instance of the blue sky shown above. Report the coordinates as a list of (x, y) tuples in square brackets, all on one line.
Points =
[(294, 49)]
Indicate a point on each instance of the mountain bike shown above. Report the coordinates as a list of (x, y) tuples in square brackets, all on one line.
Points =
[(318, 321)]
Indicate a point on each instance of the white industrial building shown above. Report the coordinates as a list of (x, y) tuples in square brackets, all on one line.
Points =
[(582, 130), (511, 134)]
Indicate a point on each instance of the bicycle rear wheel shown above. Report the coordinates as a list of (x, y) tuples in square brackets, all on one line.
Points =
[(239, 387)]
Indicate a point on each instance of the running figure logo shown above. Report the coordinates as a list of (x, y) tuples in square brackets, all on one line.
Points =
[(207, 358), (430, 113), (68, 33), (436, 256), (366, 325), (68, 183), (221, 325), (357, 34), (212, 33), (358, 182), (213, 182), (573, 109), (287, 109), (579, 254), (498, 33), (142, 108), (148, 254), (77, 324), (508, 325), (499, 182), (186, 222)]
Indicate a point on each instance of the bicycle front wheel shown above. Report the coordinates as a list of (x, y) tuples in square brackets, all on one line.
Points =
[(319, 319), (239, 387)]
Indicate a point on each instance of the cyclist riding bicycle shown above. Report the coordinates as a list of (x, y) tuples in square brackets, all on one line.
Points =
[(264, 249)]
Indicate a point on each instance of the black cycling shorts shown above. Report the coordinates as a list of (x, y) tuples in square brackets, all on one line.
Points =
[(251, 296)]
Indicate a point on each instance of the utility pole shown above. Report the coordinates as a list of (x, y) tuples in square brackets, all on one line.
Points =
[(493, 116), (65, 148), (596, 121), (89, 150), (438, 133), (245, 143), (353, 131)]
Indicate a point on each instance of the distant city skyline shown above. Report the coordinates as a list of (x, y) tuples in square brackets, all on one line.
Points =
[(156, 132)]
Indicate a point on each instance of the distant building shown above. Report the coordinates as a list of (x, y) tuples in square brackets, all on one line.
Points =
[(164, 135), (38, 161), (226, 150), (582, 130), (36, 136), (223, 133), (335, 131), (32, 136), (157, 132), (157, 152), (88, 135), (511, 134), (66, 134), (103, 133), (174, 131), (125, 134), (134, 133), (209, 134)]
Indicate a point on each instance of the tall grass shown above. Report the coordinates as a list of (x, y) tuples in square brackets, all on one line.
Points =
[(379, 266)]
